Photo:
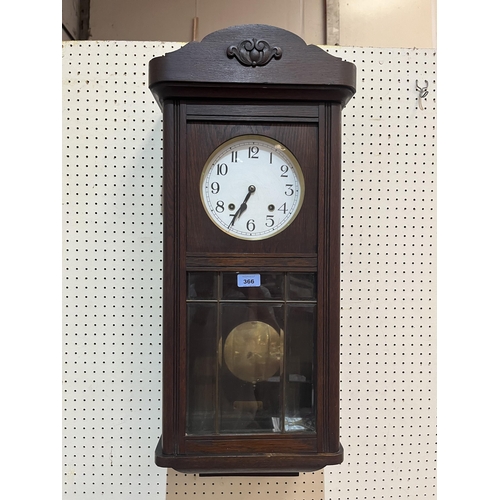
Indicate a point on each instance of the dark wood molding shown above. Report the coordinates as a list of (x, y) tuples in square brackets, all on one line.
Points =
[(202, 69), (253, 52), (275, 464)]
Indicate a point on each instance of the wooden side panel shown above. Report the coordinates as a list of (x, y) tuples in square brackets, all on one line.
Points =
[(331, 345), (172, 209)]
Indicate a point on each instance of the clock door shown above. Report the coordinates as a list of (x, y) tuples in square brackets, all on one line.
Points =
[(250, 308)]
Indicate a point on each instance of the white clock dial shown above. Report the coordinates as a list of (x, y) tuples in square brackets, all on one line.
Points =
[(252, 187)]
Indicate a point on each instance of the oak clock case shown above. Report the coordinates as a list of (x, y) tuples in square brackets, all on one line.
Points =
[(251, 252)]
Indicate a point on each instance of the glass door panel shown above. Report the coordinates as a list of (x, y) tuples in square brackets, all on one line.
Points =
[(251, 350), (250, 359), (202, 373), (299, 386)]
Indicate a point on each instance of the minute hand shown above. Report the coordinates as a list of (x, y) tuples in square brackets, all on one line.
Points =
[(243, 206)]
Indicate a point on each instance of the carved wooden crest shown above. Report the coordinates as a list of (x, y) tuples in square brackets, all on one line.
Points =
[(254, 52)]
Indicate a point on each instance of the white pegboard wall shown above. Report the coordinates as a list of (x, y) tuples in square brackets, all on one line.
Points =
[(388, 280), (112, 232), (112, 283)]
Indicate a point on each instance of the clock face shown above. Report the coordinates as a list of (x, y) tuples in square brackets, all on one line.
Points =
[(252, 187)]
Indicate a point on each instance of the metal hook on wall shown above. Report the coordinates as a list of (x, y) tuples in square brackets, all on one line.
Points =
[(423, 92)]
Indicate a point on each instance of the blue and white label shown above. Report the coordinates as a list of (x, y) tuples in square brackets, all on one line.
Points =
[(247, 280)]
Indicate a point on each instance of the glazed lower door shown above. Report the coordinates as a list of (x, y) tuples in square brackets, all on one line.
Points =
[(251, 351)]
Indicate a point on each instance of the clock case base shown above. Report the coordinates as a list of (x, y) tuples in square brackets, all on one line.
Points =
[(266, 464)]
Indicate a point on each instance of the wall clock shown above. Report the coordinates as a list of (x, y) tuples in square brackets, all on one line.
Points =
[(251, 280)]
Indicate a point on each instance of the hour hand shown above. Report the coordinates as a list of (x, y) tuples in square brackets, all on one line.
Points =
[(243, 206)]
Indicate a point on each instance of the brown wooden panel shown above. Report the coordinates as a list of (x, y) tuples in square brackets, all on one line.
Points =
[(242, 464), (328, 340), (331, 343), (203, 236), (170, 281), (251, 444), (236, 262), (255, 112)]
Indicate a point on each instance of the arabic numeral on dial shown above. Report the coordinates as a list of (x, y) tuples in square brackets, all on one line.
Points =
[(219, 206), (283, 208), (221, 169), (284, 170), (253, 152), (289, 191), (215, 187), (269, 220), (251, 225)]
